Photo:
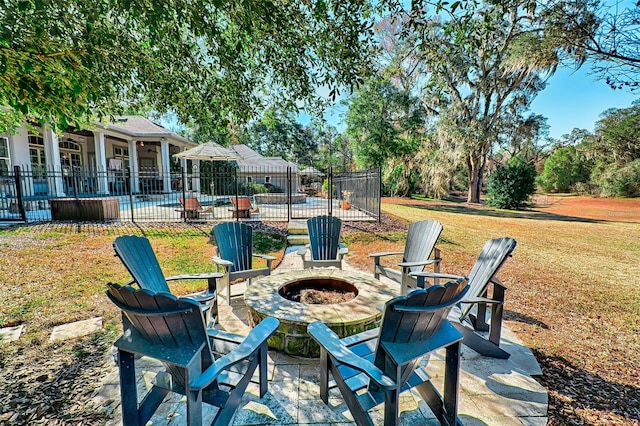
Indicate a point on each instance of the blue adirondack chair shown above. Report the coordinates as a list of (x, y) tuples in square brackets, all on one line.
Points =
[(482, 276), (138, 257), (376, 366), (324, 243), (235, 254), (198, 361), (421, 242)]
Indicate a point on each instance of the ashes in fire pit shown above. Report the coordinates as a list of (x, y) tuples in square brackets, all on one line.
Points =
[(319, 291)]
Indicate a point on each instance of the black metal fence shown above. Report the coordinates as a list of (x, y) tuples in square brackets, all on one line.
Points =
[(217, 191)]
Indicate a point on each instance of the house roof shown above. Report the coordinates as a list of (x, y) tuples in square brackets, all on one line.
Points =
[(141, 128), (251, 160)]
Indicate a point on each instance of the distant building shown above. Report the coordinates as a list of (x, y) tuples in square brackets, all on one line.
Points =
[(269, 171)]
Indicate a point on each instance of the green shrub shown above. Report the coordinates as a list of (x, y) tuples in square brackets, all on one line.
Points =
[(251, 188), (620, 181), (562, 170), (512, 185)]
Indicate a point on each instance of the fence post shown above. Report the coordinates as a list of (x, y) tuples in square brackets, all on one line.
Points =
[(330, 191), (184, 194), (130, 176), (18, 175), (379, 194), (289, 198), (235, 179), (74, 180)]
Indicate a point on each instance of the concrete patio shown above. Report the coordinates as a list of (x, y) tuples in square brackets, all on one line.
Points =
[(492, 391)]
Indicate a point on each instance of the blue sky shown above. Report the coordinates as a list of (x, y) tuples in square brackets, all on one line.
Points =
[(575, 99)]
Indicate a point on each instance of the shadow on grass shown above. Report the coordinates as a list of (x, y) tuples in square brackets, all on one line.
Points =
[(526, 214), (577, 396), (525, 319)]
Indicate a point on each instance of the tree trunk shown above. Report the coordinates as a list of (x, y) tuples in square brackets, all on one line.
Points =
[(475, 171)]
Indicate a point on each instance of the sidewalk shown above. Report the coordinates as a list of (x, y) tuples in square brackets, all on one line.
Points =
[(492, 391)]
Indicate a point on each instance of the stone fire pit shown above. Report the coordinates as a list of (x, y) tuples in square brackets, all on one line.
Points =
[(263, 297)]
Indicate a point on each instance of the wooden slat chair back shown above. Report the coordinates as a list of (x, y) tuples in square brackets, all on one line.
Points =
[(375, 366), (493, 255), (324, 243), (235, 243), (172, 330), (138, 257), (484, 290), (421, 242), (235, 254)]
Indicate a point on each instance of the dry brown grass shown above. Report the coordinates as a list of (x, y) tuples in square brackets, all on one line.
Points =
[(573, 292)]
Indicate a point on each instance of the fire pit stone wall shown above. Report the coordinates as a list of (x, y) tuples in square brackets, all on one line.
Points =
[(359, 314)]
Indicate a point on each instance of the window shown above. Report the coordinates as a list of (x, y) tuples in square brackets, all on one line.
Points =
[(121, 153), (37, 156), (5, 161), (249, 179), (69, 155), (267, 179)]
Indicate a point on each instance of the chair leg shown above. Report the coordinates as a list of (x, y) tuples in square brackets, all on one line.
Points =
[(262, 369), (496, 315), (451, 381), (391, 407), (194, 398), (324, 375), (128, 391)]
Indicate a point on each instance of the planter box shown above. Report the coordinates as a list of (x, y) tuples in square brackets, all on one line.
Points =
[(85, 209)]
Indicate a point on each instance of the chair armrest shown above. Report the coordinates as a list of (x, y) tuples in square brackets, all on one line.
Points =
[(266, 257), (221, 261), (497, 282), (435, 275), (330, 342), (472, 299), (203, 276), (303, 250), (386, 253), (244, 350), (342, 249), (418, 263)]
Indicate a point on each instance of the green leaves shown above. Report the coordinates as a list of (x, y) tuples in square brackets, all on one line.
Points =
[(208, 62)]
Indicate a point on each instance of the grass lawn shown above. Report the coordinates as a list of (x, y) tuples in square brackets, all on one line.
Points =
[(573, 293), (573, 297)]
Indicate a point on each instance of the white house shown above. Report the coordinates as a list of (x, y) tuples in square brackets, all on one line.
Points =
[(95, 160), (256, 168)]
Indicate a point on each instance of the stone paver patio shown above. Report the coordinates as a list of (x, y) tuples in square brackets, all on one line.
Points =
[(492, 391)]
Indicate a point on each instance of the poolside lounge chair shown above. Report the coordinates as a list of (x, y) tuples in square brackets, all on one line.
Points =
[(138, 257), (242, 207), (235, 255), (324, 243), (200, 363), (483, 275), (192, 209), (420, 245), (377, 365)]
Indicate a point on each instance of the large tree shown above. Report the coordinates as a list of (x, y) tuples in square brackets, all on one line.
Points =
[(70, 61), (385, 125), (479, 97)]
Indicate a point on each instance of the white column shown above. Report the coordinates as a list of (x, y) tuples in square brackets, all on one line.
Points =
[(52, 154), (195, 175), (133, 166), (166, 165), (101, 163)]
